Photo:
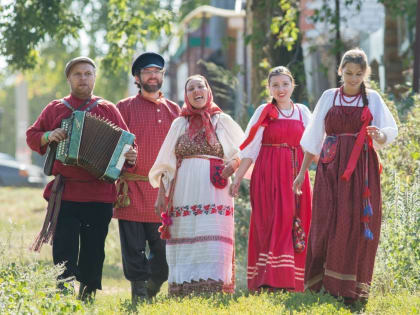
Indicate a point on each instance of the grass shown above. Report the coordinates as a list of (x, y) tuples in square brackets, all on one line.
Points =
[(21, 214)]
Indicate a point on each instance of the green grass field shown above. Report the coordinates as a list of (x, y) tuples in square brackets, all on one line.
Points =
[(21, 214)]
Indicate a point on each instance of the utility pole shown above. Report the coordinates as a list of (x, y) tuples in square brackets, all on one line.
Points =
[(23, 153)]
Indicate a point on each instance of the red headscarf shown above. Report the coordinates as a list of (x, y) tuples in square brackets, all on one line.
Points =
[(269, 111), (199, 118)]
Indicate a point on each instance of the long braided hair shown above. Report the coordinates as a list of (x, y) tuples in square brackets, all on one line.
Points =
[(358, 57)]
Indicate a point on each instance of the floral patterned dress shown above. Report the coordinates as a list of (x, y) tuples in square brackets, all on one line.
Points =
[(200, 250)]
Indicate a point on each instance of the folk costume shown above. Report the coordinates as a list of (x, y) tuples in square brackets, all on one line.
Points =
[(149, 120), (347, 208), (272, 143), (200, 248), (86, 202)]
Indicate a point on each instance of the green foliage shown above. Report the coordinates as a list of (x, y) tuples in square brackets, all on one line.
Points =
[(131, 23), (276, 39), (242, 216), (29, 282), (30, 288), (398, 257), (189, 5), (223, 84), (24, 25), (122, 26), (285, 26)]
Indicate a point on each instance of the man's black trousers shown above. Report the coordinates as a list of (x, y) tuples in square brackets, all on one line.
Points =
[(136, 264), (85, 224)]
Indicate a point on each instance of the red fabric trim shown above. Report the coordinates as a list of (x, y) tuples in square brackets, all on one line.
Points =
[(357, 148), (268, 111), (204, 238)]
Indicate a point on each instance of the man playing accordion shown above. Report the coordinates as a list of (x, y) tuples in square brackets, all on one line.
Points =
[(83, 203)]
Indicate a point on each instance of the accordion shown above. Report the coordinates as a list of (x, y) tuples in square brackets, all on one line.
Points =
[(94, 144)]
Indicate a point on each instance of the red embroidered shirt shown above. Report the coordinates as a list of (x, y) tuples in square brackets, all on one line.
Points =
[(81, 186), (150, 122)]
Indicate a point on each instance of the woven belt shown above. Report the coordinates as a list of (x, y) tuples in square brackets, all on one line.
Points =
[(346, 134), (123, 200)]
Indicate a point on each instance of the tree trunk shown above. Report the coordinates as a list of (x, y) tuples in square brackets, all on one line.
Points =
[(392, 60), (416, 66)]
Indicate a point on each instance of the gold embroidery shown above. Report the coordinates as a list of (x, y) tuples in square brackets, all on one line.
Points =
[(340, 276)]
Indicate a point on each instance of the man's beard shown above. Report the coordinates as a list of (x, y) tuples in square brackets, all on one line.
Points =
[(151, 88)]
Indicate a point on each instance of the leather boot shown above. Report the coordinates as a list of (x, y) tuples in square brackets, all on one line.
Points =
[(153, 288), (86, 294), (138, 291)]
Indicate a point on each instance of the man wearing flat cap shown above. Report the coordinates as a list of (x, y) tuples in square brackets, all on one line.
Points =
[(86, 203), (149, 116)]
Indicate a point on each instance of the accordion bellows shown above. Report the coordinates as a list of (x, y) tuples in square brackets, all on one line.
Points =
[(94, 144)]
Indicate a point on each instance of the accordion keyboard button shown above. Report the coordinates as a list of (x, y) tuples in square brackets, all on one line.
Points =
[(159, 121)]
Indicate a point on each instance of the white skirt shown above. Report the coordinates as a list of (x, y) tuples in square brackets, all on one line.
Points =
[(202, 233)]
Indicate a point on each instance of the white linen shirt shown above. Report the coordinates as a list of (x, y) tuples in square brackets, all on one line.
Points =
[(252, 150), (314, 134), (227, 130)]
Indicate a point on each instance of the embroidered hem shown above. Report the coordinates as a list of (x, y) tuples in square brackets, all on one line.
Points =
[(202, 209), (204, 238), (209, 286)]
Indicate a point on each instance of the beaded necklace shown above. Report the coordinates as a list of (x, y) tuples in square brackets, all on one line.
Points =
[(291, 114)]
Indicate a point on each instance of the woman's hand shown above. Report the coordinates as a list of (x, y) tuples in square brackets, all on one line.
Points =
[(131, 156), (230, 168), (160, 204), (376, 134), (297, 184), (234, 187)]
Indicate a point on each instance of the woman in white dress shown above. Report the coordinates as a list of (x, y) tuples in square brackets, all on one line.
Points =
[(198, 221)]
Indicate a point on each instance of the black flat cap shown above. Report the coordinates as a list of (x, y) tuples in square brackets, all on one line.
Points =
[(76, 60), (148, 59)]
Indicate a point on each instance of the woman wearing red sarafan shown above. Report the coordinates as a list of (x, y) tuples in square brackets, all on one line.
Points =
[(272, 143), (349, 123)]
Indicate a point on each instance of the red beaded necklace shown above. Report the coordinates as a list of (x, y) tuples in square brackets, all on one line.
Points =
[(291, 114), (352, 99)]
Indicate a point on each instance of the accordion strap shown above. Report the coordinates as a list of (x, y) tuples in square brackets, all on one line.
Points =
[(90, 107)]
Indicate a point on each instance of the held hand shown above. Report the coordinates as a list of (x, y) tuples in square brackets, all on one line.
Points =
[(57, 135), (131, 156), (234, 187), (297, 184), (160, 204), (229, 169), (376, 134)]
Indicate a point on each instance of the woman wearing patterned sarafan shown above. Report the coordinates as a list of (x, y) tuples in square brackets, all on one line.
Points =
[(349, 124), (198, 220), (272, 143)]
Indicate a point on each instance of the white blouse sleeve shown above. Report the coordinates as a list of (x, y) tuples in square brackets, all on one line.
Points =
[(252, 150), (165, 163), (230, 135), (314, 134), (306, 114), (382, 118)]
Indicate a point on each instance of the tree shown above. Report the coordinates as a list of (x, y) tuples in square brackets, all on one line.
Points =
[(128, 24), (275, 41), (26, 24)]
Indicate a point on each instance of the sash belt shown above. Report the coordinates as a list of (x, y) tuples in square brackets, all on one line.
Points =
[(53, 210), (123, 200)]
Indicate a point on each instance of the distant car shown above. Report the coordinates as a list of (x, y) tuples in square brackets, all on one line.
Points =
[(13, 173)]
